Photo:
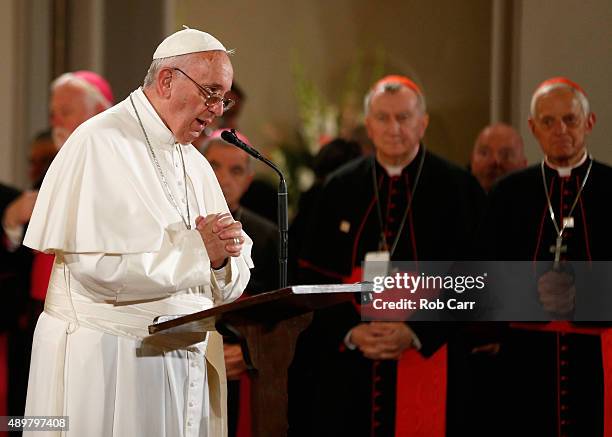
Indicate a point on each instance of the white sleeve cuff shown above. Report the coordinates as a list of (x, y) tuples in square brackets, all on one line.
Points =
[(347, 341), (14, 236)]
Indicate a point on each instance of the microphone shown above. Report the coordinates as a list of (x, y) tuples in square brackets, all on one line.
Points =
[(230, 137)]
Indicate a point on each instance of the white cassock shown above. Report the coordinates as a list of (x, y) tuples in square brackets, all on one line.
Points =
[(124, 257)]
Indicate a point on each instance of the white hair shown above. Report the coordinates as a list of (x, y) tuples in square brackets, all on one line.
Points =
[(170, 61), (543, 90), (392, 87), (157, 65), (92, 94)]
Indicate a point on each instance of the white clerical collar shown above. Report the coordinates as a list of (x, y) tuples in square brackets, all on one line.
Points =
[(566, 171), (159, 134), (393, 170)]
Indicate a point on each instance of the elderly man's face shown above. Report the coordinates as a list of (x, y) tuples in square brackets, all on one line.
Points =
[(561, 127), (396, 125), (188, 114), (231, 166), (498, 151), (70, 106)]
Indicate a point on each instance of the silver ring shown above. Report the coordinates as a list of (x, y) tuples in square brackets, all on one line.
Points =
[(236, 241)]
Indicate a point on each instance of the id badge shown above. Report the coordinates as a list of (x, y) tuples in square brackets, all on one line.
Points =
[(376, 264)]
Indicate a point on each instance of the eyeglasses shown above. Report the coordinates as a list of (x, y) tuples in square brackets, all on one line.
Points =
[(210, 98)]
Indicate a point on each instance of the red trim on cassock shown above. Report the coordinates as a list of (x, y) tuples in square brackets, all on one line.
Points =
[(586, 231), (362, 225), (308, 265)]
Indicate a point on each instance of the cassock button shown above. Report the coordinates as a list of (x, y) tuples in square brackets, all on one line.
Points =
[(563, 362)]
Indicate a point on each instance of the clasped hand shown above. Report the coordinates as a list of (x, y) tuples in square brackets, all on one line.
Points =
[(19, 211), (557, 292), (382, 340), (222, 237)]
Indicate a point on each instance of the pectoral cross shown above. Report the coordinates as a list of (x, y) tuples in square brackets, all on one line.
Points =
[(558, 249)]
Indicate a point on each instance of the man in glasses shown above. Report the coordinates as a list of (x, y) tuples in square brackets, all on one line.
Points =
[(140, 229), (362, 383)]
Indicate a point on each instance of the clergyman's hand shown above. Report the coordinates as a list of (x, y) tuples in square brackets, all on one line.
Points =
[(222, 237), (382, 340), (19, 211), (230, 232), (557, 292), (234, 362)]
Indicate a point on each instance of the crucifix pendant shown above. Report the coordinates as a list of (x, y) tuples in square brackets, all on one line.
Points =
[(557, 249)]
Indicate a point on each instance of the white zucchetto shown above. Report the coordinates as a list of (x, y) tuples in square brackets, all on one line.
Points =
[(187, 41)]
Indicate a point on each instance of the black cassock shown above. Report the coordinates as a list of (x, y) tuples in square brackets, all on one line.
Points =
[(333, 390), (554, 380)]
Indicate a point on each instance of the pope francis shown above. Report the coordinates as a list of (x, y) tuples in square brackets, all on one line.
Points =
[(139, 228)]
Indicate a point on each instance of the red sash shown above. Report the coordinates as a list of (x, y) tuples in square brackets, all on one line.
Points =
[(421, 395), (42, 264), (605, 334), (243, 428)]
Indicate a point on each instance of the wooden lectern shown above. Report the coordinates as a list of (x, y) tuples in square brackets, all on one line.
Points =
[(268, 325)]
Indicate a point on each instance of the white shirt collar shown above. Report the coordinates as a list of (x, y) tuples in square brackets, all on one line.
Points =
[(566, 171), (157, 131), (394, 170)]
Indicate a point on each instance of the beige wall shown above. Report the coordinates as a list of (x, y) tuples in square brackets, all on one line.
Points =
[(565, 38), (444, 44), (9, 92)]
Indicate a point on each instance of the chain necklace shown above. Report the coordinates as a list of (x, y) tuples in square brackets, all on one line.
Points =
[(379, 210), (558, 247), (186, 221)]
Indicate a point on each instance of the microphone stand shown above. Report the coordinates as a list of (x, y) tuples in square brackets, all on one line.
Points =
[(282, 208)]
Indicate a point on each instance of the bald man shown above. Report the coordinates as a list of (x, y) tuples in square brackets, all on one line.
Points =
[(498, 151)]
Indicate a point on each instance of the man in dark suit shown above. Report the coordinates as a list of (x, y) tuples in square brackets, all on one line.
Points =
[(234, 171)]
